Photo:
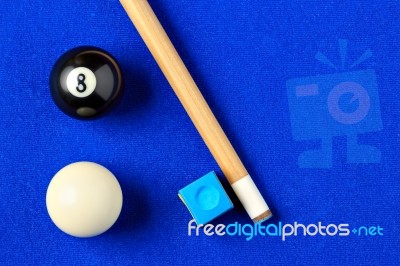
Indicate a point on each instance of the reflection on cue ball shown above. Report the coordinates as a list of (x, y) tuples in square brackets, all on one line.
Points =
[(84, 199), (86, 82)]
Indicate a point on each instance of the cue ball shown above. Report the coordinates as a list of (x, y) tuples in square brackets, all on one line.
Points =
[(86, 82), (84, 199)]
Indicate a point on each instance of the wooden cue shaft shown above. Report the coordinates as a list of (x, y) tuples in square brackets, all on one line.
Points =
[(159, 44)]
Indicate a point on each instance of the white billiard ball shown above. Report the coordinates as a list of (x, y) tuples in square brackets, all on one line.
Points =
[(84, 199)]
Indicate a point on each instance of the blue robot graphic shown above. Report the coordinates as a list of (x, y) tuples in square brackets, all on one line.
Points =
[(340, 104)]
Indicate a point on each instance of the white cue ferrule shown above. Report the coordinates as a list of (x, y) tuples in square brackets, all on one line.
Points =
[(250, 197)]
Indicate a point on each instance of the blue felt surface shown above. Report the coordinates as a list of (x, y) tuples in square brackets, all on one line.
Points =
[(241, 54)]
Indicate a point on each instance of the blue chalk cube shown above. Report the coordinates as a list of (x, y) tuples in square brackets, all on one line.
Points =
[(205, 198)]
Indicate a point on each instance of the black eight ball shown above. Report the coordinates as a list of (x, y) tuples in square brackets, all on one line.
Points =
[(85, 82)]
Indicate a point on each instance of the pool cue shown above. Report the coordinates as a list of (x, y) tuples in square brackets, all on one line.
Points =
[(163, 51)]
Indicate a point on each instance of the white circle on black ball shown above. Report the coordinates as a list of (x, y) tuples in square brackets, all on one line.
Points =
[(81, 82)]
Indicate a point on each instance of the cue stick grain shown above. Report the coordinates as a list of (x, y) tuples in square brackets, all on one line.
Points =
[(160, 46)]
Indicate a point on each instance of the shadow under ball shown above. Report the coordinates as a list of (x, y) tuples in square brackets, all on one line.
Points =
[(86, 82)]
